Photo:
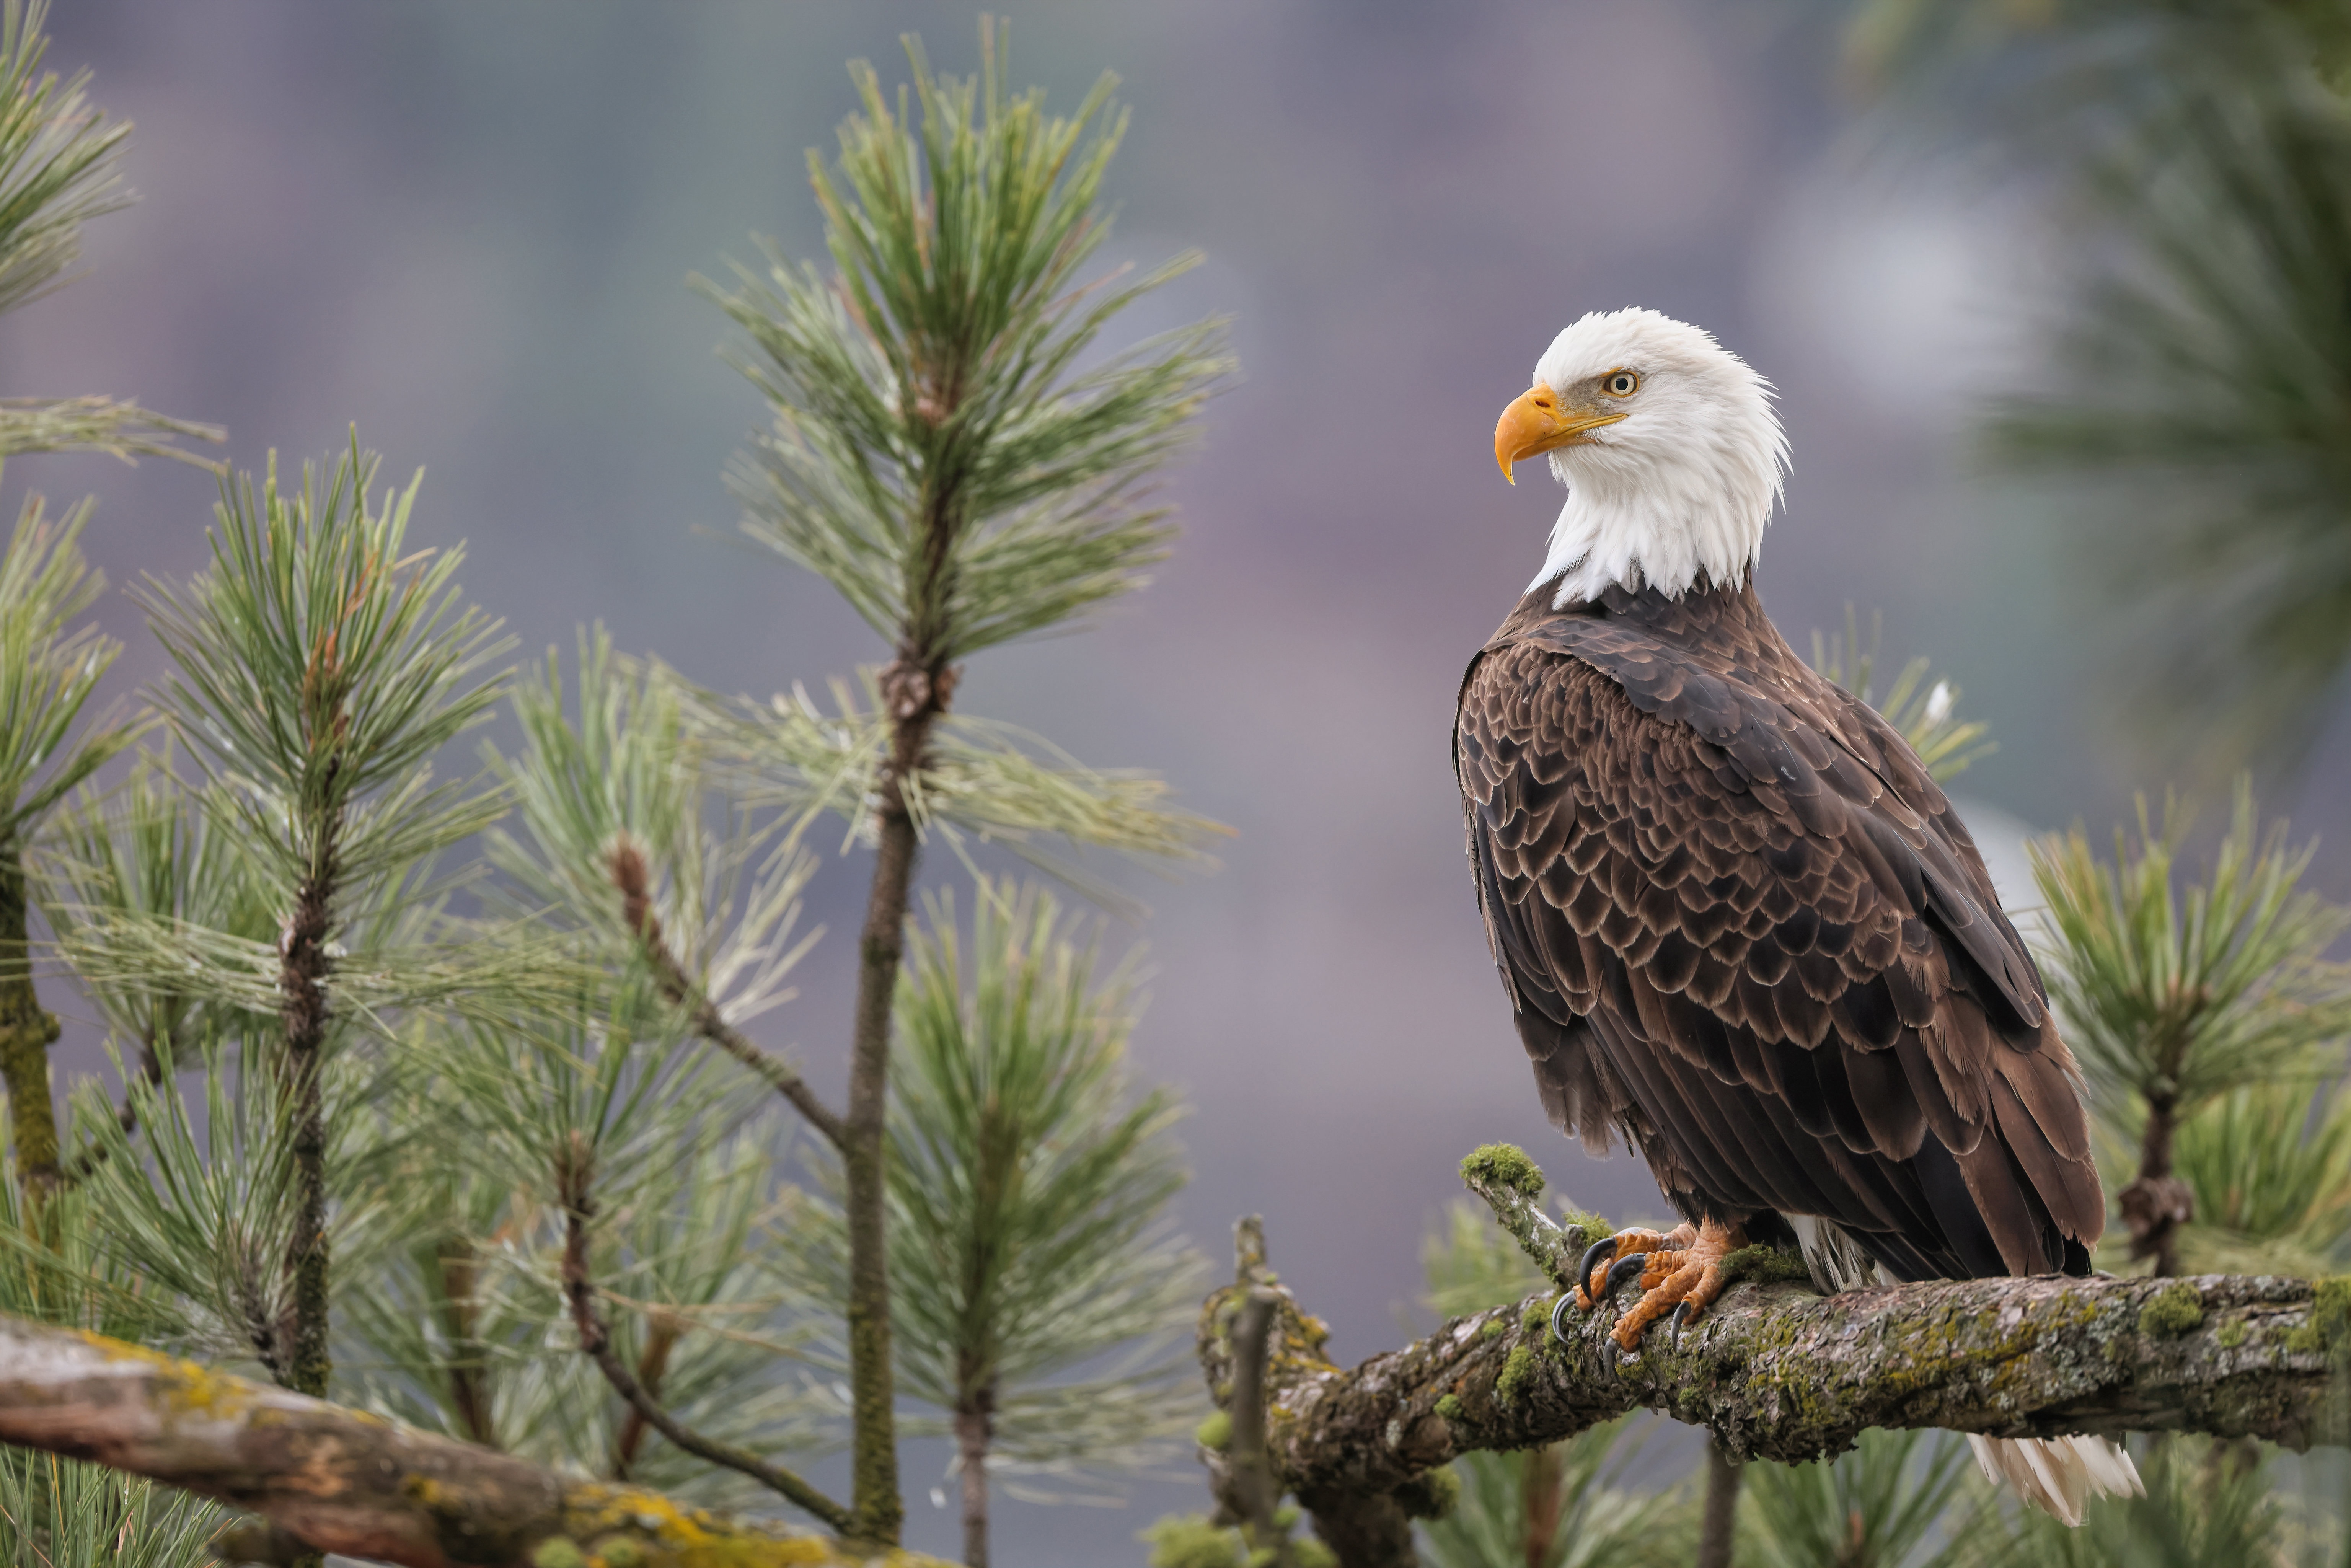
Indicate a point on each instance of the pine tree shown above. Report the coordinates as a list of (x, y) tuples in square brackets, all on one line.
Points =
[(2176, 999), (1027, 1194), (946, 456)]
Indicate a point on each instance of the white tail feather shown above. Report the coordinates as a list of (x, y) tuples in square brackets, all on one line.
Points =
[(2057, 1474)]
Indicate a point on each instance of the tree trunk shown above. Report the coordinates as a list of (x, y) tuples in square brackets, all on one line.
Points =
[(2155, 1204), (874, 1504), (26, 1032), (1716, 1529), (302, 1004), (974, 1430)]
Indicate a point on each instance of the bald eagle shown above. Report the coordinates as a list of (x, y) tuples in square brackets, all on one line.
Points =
[(1738, 924)]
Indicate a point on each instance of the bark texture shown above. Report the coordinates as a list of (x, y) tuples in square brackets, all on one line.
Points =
[(340, 1480), (302, 1003), (26, 1032), (1775, 1372), (916, 688)]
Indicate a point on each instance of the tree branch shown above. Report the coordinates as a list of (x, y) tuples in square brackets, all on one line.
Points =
[(1776, 1371), (629, 874), (596, 1341), (341, 1481)]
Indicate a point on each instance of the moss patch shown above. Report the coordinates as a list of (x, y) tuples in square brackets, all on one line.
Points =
[(1594, 1226), (2329, 1328), (1503, 1166), (1450, 1407), (1536, 1314), (1517, 1372), (2232, 1334), (1493, 1328), (2171, 1312), (557, 1552), (1215, 1432), (1764, 1265)]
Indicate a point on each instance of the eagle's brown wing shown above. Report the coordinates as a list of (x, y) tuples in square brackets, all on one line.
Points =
[(1740, 923)]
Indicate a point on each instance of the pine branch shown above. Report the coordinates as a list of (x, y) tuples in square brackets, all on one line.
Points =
[(629, 875), (342, 1480), (105, 425), (1775, 1372), (574, 1183)]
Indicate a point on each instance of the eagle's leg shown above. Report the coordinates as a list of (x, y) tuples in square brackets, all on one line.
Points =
[(1662, 1251), (1692, 1284)]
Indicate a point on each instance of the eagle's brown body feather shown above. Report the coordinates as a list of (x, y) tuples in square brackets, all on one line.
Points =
[(1741, 926)]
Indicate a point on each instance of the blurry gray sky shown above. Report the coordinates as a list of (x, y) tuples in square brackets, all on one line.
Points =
[(466, 227)]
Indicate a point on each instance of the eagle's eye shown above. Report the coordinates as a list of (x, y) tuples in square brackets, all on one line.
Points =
[(1620, 384)]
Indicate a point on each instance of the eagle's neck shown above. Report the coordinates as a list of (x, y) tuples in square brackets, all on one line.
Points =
[(1671, 527), (1724, 629)]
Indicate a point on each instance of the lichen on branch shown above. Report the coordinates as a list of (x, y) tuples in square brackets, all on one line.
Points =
[(1777, 1372), (342, 1480)]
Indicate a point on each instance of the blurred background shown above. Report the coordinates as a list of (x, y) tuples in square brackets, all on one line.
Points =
[(466, 228)]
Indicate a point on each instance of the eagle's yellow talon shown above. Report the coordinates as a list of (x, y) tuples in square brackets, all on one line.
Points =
[(1692, 1284)]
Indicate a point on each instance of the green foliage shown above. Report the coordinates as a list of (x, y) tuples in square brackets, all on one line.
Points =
[(47, 672), (626, 772), (1028, 1189), (1884, 1505), (985, 782), (1564, 1506), (462, 1325), (203, 1203), (2195, 160), (147, 853), (2175, 995), (2201, 396), (60, 159), (2270, 1164), (61, 1514), (60, 165), (939, 454), (1927, 715), (54, 1512), (317, 665)]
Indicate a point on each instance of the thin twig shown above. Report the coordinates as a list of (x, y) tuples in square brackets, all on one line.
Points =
[(1253, 1491), (596, 1341), (627, 869), (1715, 1531)]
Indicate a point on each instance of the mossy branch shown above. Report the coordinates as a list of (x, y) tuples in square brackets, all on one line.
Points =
[(341, 1481), (1776, 1371)]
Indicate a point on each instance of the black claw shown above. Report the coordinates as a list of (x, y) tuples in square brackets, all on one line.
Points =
[(1628, 1267), (1557, 1312), (1590, 1258), (1609, 1351), (1681, 1311)]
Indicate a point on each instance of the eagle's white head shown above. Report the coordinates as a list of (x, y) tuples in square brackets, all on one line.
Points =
[(1669, 447)]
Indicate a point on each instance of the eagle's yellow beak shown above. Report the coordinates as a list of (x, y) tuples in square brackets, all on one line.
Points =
[(1535, 422)]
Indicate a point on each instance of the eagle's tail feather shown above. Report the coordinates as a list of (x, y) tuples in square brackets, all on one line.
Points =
[(2056, 1474)]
